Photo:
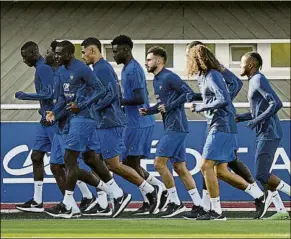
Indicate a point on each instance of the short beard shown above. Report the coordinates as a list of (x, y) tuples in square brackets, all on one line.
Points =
[(244, 73), (152, 69)]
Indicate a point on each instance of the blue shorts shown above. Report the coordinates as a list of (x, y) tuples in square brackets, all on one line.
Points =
[(111, 142), (81, 136), (235, 146), (44, 138), (138, 141), (172, 145), (94, 143), (219, 146), (58, 149), (265, 152)]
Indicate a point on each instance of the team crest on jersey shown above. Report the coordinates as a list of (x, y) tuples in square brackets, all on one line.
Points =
[(66, 86), (71, 77)]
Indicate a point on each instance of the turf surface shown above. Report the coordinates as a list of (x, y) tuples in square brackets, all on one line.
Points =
[(144, 228)]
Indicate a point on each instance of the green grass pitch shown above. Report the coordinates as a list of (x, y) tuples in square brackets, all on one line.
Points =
[(144, 228)]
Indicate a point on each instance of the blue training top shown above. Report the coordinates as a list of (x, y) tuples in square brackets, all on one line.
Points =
[(216, 103), (265, 104), (172, 91), (132, 78), (109, 113)]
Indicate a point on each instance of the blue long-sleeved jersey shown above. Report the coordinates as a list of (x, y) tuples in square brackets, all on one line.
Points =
[(108, 109), (216, 102), (265, 104), (173, 92), (234, 84), (63, 116), (133, 78), (44, 84), (79, 84)]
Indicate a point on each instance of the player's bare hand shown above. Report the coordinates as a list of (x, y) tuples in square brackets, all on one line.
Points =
[(50, 117), (73, 107), (193, 107), (142, 111), (162, 108)]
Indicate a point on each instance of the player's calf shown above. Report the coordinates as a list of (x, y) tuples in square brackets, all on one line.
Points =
[(38, 165), (58, 170), (98, 166), (35, 204)]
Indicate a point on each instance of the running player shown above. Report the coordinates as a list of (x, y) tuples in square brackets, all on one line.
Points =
[(111, 122), (234, 84), (43, 80), (78, 95), (171, 93), (220, 143), (57, 163), (110, 118), (138, 131), (263, 117)]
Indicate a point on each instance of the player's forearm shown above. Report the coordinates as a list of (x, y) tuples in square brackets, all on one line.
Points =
[(98, 93), (216, 104), (137, 99), (60, 115), (106, 101), (152, 110), (182, 99), (194, 97), (244, 117), (269, 112), (37, 96), (133, 101), (59, 107)]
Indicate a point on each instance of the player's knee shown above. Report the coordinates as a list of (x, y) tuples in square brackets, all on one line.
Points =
[(37, 157), (206, 166), (180, 168), (159, 166), (113, 165), (55, 168)]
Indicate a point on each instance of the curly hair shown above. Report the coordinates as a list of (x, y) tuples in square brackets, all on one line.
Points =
[(122, 40), (201, 60)]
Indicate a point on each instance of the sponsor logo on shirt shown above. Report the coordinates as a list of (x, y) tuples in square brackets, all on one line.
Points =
[(66, 86)]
